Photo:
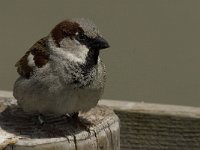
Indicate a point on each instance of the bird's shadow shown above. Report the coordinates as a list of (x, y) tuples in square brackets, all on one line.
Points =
[(14, 120)]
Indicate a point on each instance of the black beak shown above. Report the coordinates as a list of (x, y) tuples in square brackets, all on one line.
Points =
[(99, 43)]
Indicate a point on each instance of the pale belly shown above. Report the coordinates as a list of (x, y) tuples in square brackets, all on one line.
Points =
[(57, 100), (49, 93)]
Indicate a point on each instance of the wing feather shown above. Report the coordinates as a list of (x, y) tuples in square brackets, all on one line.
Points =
[(40, 54)]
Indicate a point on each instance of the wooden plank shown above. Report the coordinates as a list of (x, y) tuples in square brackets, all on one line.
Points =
[(6, 94), (147, 126), (162, 109)]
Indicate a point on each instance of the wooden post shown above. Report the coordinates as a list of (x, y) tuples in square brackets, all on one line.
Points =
[(20, 131)]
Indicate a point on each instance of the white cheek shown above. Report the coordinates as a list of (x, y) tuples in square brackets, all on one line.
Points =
[(30, 60), (78, 55), (71, 50), (82, 52)]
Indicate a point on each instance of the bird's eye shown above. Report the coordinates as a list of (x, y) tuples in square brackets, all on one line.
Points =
[(81, 37)]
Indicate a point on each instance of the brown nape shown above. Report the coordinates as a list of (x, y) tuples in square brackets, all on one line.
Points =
[(40, 57), (65, 29)]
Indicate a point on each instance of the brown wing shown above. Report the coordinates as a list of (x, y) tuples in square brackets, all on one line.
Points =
[(40, 57)]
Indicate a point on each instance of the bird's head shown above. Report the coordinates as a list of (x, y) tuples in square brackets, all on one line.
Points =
[(78, 39)]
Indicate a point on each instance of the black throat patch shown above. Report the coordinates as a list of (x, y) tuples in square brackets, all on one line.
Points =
[(91, 61)]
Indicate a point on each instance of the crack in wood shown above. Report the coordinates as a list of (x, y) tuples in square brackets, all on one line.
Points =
[(95, 134), (111, 137), (67, 138), (75, 142)]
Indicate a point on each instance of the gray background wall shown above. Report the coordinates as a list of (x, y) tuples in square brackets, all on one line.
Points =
[(155, 47)]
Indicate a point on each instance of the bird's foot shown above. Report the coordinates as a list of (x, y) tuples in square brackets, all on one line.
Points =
[(80, 122), (41, 119)]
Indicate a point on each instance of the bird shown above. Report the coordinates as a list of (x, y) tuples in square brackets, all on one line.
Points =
[(62, 73)]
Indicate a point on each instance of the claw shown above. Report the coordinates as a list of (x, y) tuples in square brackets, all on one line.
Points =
[(81, 122), (41, 119)]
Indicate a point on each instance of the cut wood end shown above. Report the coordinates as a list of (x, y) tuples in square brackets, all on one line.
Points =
[(58, 132)]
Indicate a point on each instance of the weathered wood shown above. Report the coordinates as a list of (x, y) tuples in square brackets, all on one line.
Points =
[(21, 131), (157, 127), (147, 126)]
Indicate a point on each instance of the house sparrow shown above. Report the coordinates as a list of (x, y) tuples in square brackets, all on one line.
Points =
[(62, 72)]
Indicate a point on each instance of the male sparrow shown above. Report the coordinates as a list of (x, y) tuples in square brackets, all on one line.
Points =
[(62, 72)]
